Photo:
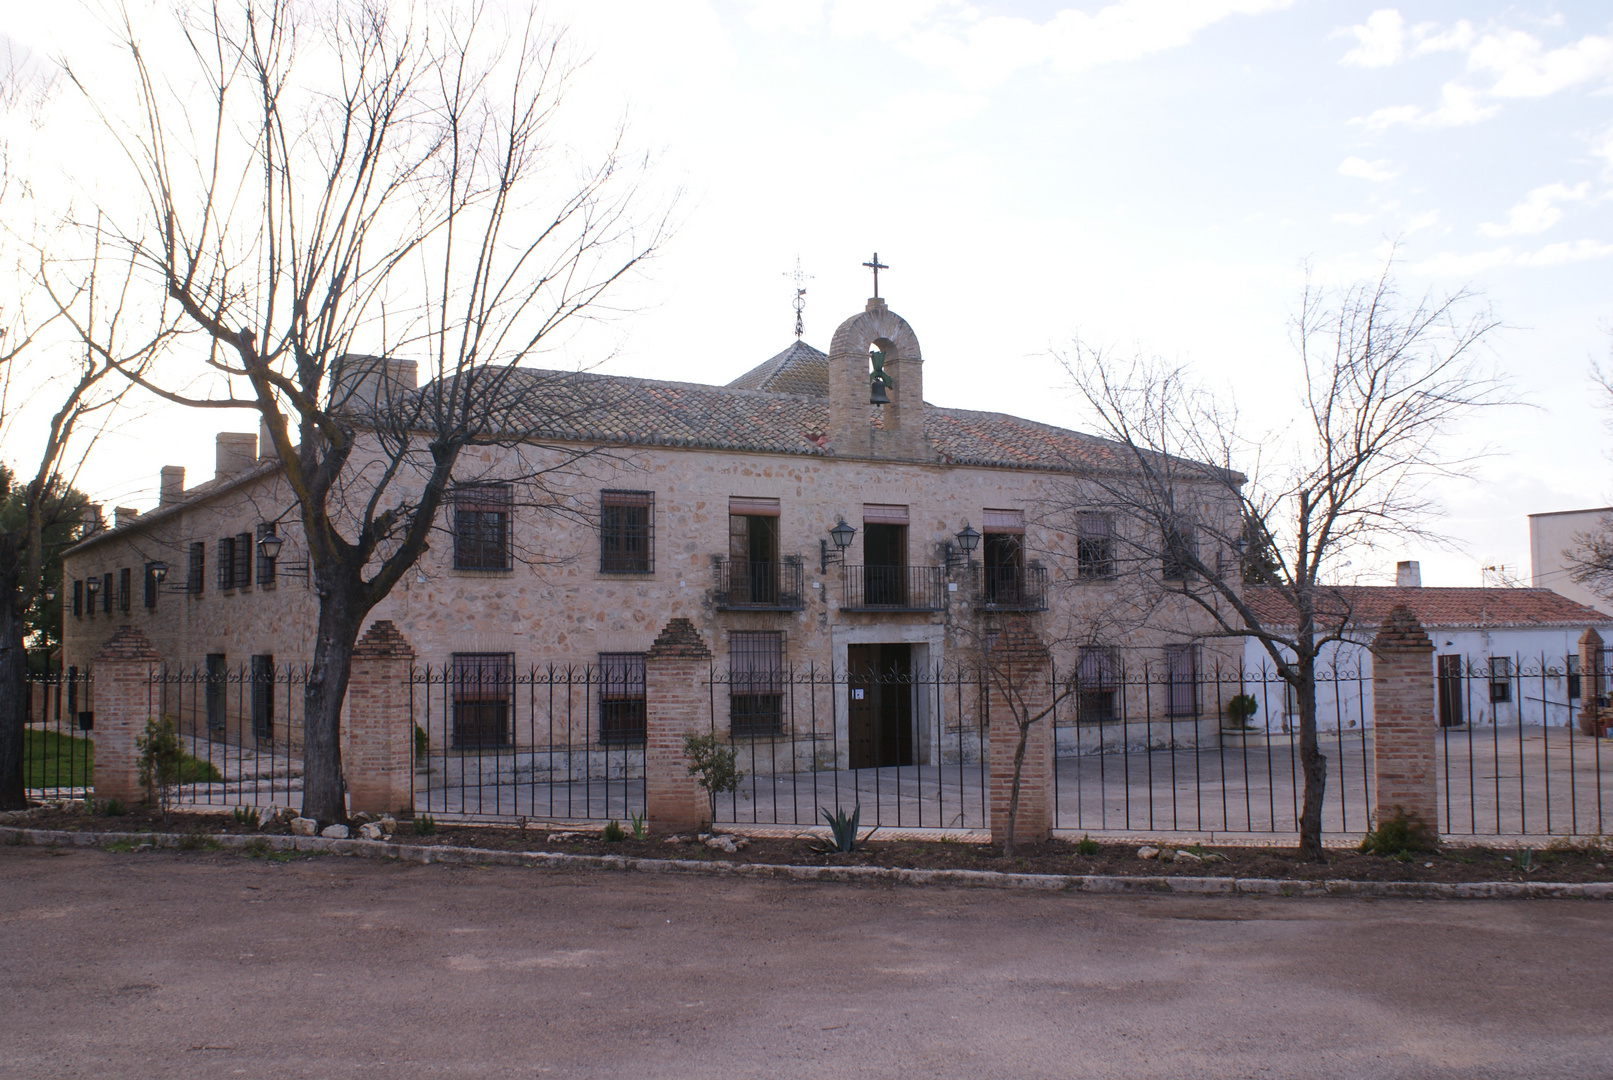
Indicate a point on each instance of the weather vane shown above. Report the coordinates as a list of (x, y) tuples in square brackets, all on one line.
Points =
[(799, 303), (876, 266)]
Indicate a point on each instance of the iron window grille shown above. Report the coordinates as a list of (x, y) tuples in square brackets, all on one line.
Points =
[(1181, 680), (196, 575), (226, 563), (1180, 553), (125, 588), (263, 696), (266, 567), (150, 588), (483, 689), (1094, 546), (482, 526), (1500, 680), (1572, 671), (1097, 684), (626, 532), (243, 560), (756, 683), (106, 593), (622, 706), (78, 598)]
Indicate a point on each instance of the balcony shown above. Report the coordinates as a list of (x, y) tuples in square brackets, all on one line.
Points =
[(1011, 588), (893, 588), (758, 586)]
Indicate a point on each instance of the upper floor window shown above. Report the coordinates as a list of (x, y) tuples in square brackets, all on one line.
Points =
[(626, 532), (482, 526), (125, 587), (106, 593), (243, 560), (1002, 555), (266, 565), (1179, 553), (78, 597), (196, 576), (1094, 546), (226, 562), (151, 587)]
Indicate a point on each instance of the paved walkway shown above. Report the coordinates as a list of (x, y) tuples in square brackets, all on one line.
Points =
[(200, 965)]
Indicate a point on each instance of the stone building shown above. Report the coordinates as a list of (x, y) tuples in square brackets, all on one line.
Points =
[(720, 504)]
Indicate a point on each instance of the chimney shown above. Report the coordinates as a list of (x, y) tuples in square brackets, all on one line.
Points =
[(123, 515), (172, 485), (237, 452), (265, 442), (92, 520), (365, 384), (1409, 575)]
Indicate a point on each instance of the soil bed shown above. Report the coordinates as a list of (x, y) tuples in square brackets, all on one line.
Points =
[(1451, 863)]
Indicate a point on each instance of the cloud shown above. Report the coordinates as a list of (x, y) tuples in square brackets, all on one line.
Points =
[(1354, 219), (982, 50), (1458, 106), (1361, 169), (1538, 211), (1380, 40), (1558, 254), (1420, 222), (1452, 264), (1522, 68)]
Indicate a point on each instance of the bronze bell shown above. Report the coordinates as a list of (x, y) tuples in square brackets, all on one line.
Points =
[(878, 380), (878, 396)]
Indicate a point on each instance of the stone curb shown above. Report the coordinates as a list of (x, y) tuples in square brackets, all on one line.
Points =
[(989, 879)]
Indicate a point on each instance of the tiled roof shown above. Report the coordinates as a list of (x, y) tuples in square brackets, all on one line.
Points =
[(588, 407), (1369, 605)]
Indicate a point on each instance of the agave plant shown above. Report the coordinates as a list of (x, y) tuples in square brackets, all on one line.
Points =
[(842, 831)]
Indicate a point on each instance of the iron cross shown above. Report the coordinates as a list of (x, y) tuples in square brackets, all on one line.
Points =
[(876, 266)]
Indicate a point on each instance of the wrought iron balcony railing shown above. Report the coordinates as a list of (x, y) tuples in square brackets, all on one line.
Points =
[(758, 586), (894, 588), (1011, 588)]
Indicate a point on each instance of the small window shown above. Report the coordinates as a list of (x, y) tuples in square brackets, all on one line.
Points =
[(1094, 546), (1097, 684), (1179, 554), (483, 687), (1500, 679), (482, 526), (150, 588), (263, 697), (266, 565), (226, 563), (627, 532), (1573, 678), (756, 683), (196, 576), (106, 593), (125, 589), (621, 698), (243, 560), (1182, 680), (78, 598)]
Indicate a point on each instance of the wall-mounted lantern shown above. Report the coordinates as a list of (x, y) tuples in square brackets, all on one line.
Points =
[(269, 545), (842, 535), (960, 547)]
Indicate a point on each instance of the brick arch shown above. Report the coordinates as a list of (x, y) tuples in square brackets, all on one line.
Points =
[(858, 334), (901, 434)]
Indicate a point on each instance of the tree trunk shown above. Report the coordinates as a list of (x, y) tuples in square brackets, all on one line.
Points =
[(1013, 790), (1312, 761), (13, 709), (324, 795)]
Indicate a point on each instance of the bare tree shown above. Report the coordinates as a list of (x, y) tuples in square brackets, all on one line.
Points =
[(366, 184), (1383, 380), (1591, 559)]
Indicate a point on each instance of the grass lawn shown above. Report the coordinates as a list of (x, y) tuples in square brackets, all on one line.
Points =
[(55, 760)]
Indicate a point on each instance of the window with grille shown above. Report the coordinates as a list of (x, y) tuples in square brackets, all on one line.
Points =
[(150, 587), (756, 683), (196, 575), (621, 698), (1180, 552), (1181, 680), (1097, 677), (483, 686), (482, 526), (78, 598), (263, 696), (125, 588), (627, 532), (106, 593), (1500, 679), (243, 560), (226, 562), (1094, 546), (265, 564)]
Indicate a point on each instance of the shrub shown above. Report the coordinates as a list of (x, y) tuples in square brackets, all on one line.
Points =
[(1086, 845), (842, 831), (424, 825), (422, 744), (1398, 835), (613, 832), (1241, 709), (113, 808), (161, 761), (639, 831), (246, 815), (713, 766)]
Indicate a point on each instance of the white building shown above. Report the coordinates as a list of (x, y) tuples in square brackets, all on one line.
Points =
[(1553, 540), (1502, 656)]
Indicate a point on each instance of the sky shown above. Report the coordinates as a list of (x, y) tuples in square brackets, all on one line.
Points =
[(1148, 175)]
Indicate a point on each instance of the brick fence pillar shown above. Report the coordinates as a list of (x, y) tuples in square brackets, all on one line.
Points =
[(1018, 667), (379, 756), (677, 702), (1403, 719), (123, 704), (1593, 719)]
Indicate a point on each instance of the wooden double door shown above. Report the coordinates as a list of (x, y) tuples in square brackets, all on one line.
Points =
[(880, 687)]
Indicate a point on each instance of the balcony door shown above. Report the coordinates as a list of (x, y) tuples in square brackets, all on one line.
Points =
[(880, 717), (753, 556), (885, 556)]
